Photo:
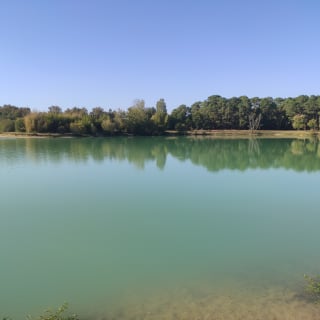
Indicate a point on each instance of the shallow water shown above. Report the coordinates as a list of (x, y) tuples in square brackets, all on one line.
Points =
[(158, 228)]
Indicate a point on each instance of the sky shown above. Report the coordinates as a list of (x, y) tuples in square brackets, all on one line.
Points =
[(107, 53)]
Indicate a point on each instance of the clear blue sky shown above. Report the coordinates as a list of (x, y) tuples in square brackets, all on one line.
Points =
[(108, 53)]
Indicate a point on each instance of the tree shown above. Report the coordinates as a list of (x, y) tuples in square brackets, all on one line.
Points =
[(244, 111), (55, 110), (137, 118), (76, 112), (119, 118), (312, 124), (160, 118), (196, 115), (215, 113), (6, 125), (19, 125), (38, 122), (299, 122), (8, 111), (180, 118), (254, 121), (30, 122), (97, 113), (108, 126), (270, 114)]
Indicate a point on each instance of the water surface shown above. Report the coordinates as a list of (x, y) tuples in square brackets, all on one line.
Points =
[(159, 228)]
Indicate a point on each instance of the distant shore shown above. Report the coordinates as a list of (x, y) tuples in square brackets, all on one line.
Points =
[(296, 134)]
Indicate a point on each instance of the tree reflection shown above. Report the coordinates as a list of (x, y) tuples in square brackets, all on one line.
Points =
[(213, 154)]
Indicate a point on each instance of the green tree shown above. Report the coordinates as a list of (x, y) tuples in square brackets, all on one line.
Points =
[(312, 124), (8, 111), (299, 121), (97, 113), (76, 112), (55, 110), (119, 119), (138, 121), (244, 108), (108, 126), (180, 118), (160, 118), (197, 115)]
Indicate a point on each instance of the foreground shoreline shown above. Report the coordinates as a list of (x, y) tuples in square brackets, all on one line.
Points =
[(282, 134)]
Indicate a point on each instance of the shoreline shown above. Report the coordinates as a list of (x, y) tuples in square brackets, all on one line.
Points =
[(283, 134)]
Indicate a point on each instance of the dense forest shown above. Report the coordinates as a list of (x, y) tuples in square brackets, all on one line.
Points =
[(214, 113)]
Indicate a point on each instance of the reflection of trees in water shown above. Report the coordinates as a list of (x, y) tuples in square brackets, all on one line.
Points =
[(304, 155), (297, 147), (213, 154), (254, 146), (301, 147), (253, 150)]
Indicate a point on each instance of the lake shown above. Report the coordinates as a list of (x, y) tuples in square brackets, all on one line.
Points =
[(159, 228)]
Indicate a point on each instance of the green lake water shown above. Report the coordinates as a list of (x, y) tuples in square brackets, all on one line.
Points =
[(159, 228)]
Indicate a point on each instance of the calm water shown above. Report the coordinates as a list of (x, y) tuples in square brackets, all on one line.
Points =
[(154, 228)]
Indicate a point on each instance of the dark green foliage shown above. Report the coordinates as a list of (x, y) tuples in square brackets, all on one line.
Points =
[(180, 119)]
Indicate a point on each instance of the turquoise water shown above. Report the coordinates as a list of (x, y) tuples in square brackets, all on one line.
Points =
[(109, 223)]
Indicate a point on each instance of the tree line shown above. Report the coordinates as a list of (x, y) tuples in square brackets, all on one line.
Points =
[(214, 113)]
